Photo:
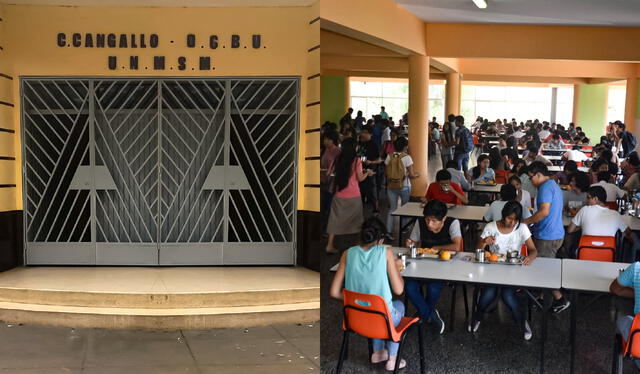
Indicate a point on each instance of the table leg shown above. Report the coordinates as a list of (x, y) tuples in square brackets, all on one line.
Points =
[(572, 330)]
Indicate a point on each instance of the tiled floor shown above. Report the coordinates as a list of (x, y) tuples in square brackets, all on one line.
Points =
[(282, 349), (496, 348)]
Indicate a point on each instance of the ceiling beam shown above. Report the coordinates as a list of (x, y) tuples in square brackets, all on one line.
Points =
[(533, 42)]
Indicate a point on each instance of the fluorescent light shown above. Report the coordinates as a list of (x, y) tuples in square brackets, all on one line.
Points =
[(482, 4)]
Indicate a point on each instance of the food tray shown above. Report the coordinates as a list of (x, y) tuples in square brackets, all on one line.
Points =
[(434, 256), (505, 262)]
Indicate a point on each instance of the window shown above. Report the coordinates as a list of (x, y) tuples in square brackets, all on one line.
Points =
[(500, 102), (369, 96), (615, 103), (564, 106)]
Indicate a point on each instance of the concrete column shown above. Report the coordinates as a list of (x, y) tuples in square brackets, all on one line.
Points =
[(631, 105), (347, 96), (419, 120), (576, 105), (554, 104), (452, 94)]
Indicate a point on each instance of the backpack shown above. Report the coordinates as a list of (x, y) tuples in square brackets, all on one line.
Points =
[(395, 171), (468, 145), (632, 142)]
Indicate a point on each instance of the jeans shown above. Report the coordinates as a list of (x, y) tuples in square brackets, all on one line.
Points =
[(425, 306), (446, 158), (463, 161), (489, 294), (325, 207), (393, 196), (397, 312)]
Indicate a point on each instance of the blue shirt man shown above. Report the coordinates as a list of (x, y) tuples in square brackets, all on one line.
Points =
[(625, 285)]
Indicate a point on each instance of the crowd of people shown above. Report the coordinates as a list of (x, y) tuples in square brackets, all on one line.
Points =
[(529, 212)]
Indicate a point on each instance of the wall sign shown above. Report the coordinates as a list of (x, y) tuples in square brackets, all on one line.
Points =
[(151, 41)]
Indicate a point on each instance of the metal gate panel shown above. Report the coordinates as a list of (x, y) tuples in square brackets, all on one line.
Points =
[(263, 138), (193, 142), (160, 171), (126, 142), (56, 144)]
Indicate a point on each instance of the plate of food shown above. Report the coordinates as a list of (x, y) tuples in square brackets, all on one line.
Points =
[(565, 187)]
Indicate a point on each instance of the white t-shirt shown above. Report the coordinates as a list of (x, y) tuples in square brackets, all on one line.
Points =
[(526, 200), (613, 191), (406, 161), (576, 155), (494, 212), (544, 134), (518, 134), (454, 231), (386, 134), (599, 220), (512, 241)]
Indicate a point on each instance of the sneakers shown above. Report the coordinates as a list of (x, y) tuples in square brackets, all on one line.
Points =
[(559, 305), (379, 356), (391, 364), (527, 331), (474, 326), (438, 320)]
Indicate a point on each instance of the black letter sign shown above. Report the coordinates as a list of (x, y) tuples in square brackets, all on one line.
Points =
[(256, 41), (213, 41), (62, 39), (158, 62), (133, 62), (113, 64), (235, 41), (191, 40), (182, 63), (205, 63)]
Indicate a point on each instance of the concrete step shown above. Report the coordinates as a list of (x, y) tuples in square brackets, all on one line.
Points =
[(159, 318), (161, 300)]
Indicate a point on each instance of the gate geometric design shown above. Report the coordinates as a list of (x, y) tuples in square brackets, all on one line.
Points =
[(160, 171)]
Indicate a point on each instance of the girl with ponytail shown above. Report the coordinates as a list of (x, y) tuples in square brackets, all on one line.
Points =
[(370, 268)]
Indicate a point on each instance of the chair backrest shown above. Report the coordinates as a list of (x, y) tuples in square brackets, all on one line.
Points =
[(502, 176), (612, 205), (568, 146), (367, 315), (476, 140), (524, 251), (632, 347), (597, 248)]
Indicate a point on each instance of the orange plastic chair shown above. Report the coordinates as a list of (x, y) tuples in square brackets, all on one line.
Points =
[(502, 176), (524, 251), (368, 316), (567, 146), (627, 349), (612, 205), (597, 248)]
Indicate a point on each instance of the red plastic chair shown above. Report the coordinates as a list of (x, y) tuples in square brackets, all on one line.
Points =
[(524, 251), (627, 349), (368, 316), (612, 205), (502, 176), (597, 248)]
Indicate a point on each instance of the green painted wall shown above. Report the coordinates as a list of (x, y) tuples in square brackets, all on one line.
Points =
[(592, 110), (332, 98)]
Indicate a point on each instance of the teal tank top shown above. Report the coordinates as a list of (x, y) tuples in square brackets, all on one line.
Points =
[(366, 272)]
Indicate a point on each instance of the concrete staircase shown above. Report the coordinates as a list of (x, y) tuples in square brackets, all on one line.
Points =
[(186, 304)]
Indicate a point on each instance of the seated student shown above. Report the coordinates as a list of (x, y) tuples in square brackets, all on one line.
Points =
[(613, 192), (575, 154), (598, 166), (579, 183), (482, 172), (533, 156), (625, 285), (456, 175), (371, 268), (556, 142), (596, 219), (507, 234), (508, 193), (563, 177), (523, 196), (437, 231), (445, 190)]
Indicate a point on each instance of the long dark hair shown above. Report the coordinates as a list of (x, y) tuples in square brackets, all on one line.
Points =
[(344, 164), (494, 158), (513, 207), (372, 230)]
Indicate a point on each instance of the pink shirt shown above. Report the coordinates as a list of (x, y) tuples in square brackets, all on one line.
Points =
[(353, 189)]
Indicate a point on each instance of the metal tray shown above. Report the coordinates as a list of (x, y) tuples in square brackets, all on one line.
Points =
[(433, 257), (505, 262)]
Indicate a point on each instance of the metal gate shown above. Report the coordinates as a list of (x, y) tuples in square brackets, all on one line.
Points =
[(160, 171)]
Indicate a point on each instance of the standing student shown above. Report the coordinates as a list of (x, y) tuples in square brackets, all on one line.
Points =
[(399, 169), (327, 181), (437, 231), (369, 149), (383, 113), (346, 207), (447, 141), (464, 144), (548, 232), (370, 268)]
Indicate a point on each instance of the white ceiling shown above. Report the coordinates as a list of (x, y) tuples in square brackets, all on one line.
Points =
[(167, 3), (541, 12)]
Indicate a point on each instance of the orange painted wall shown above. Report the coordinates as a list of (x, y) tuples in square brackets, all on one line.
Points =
[(286, 31)]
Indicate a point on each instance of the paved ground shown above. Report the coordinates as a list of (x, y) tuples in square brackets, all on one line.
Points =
[(496, 348), (283, 349)]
